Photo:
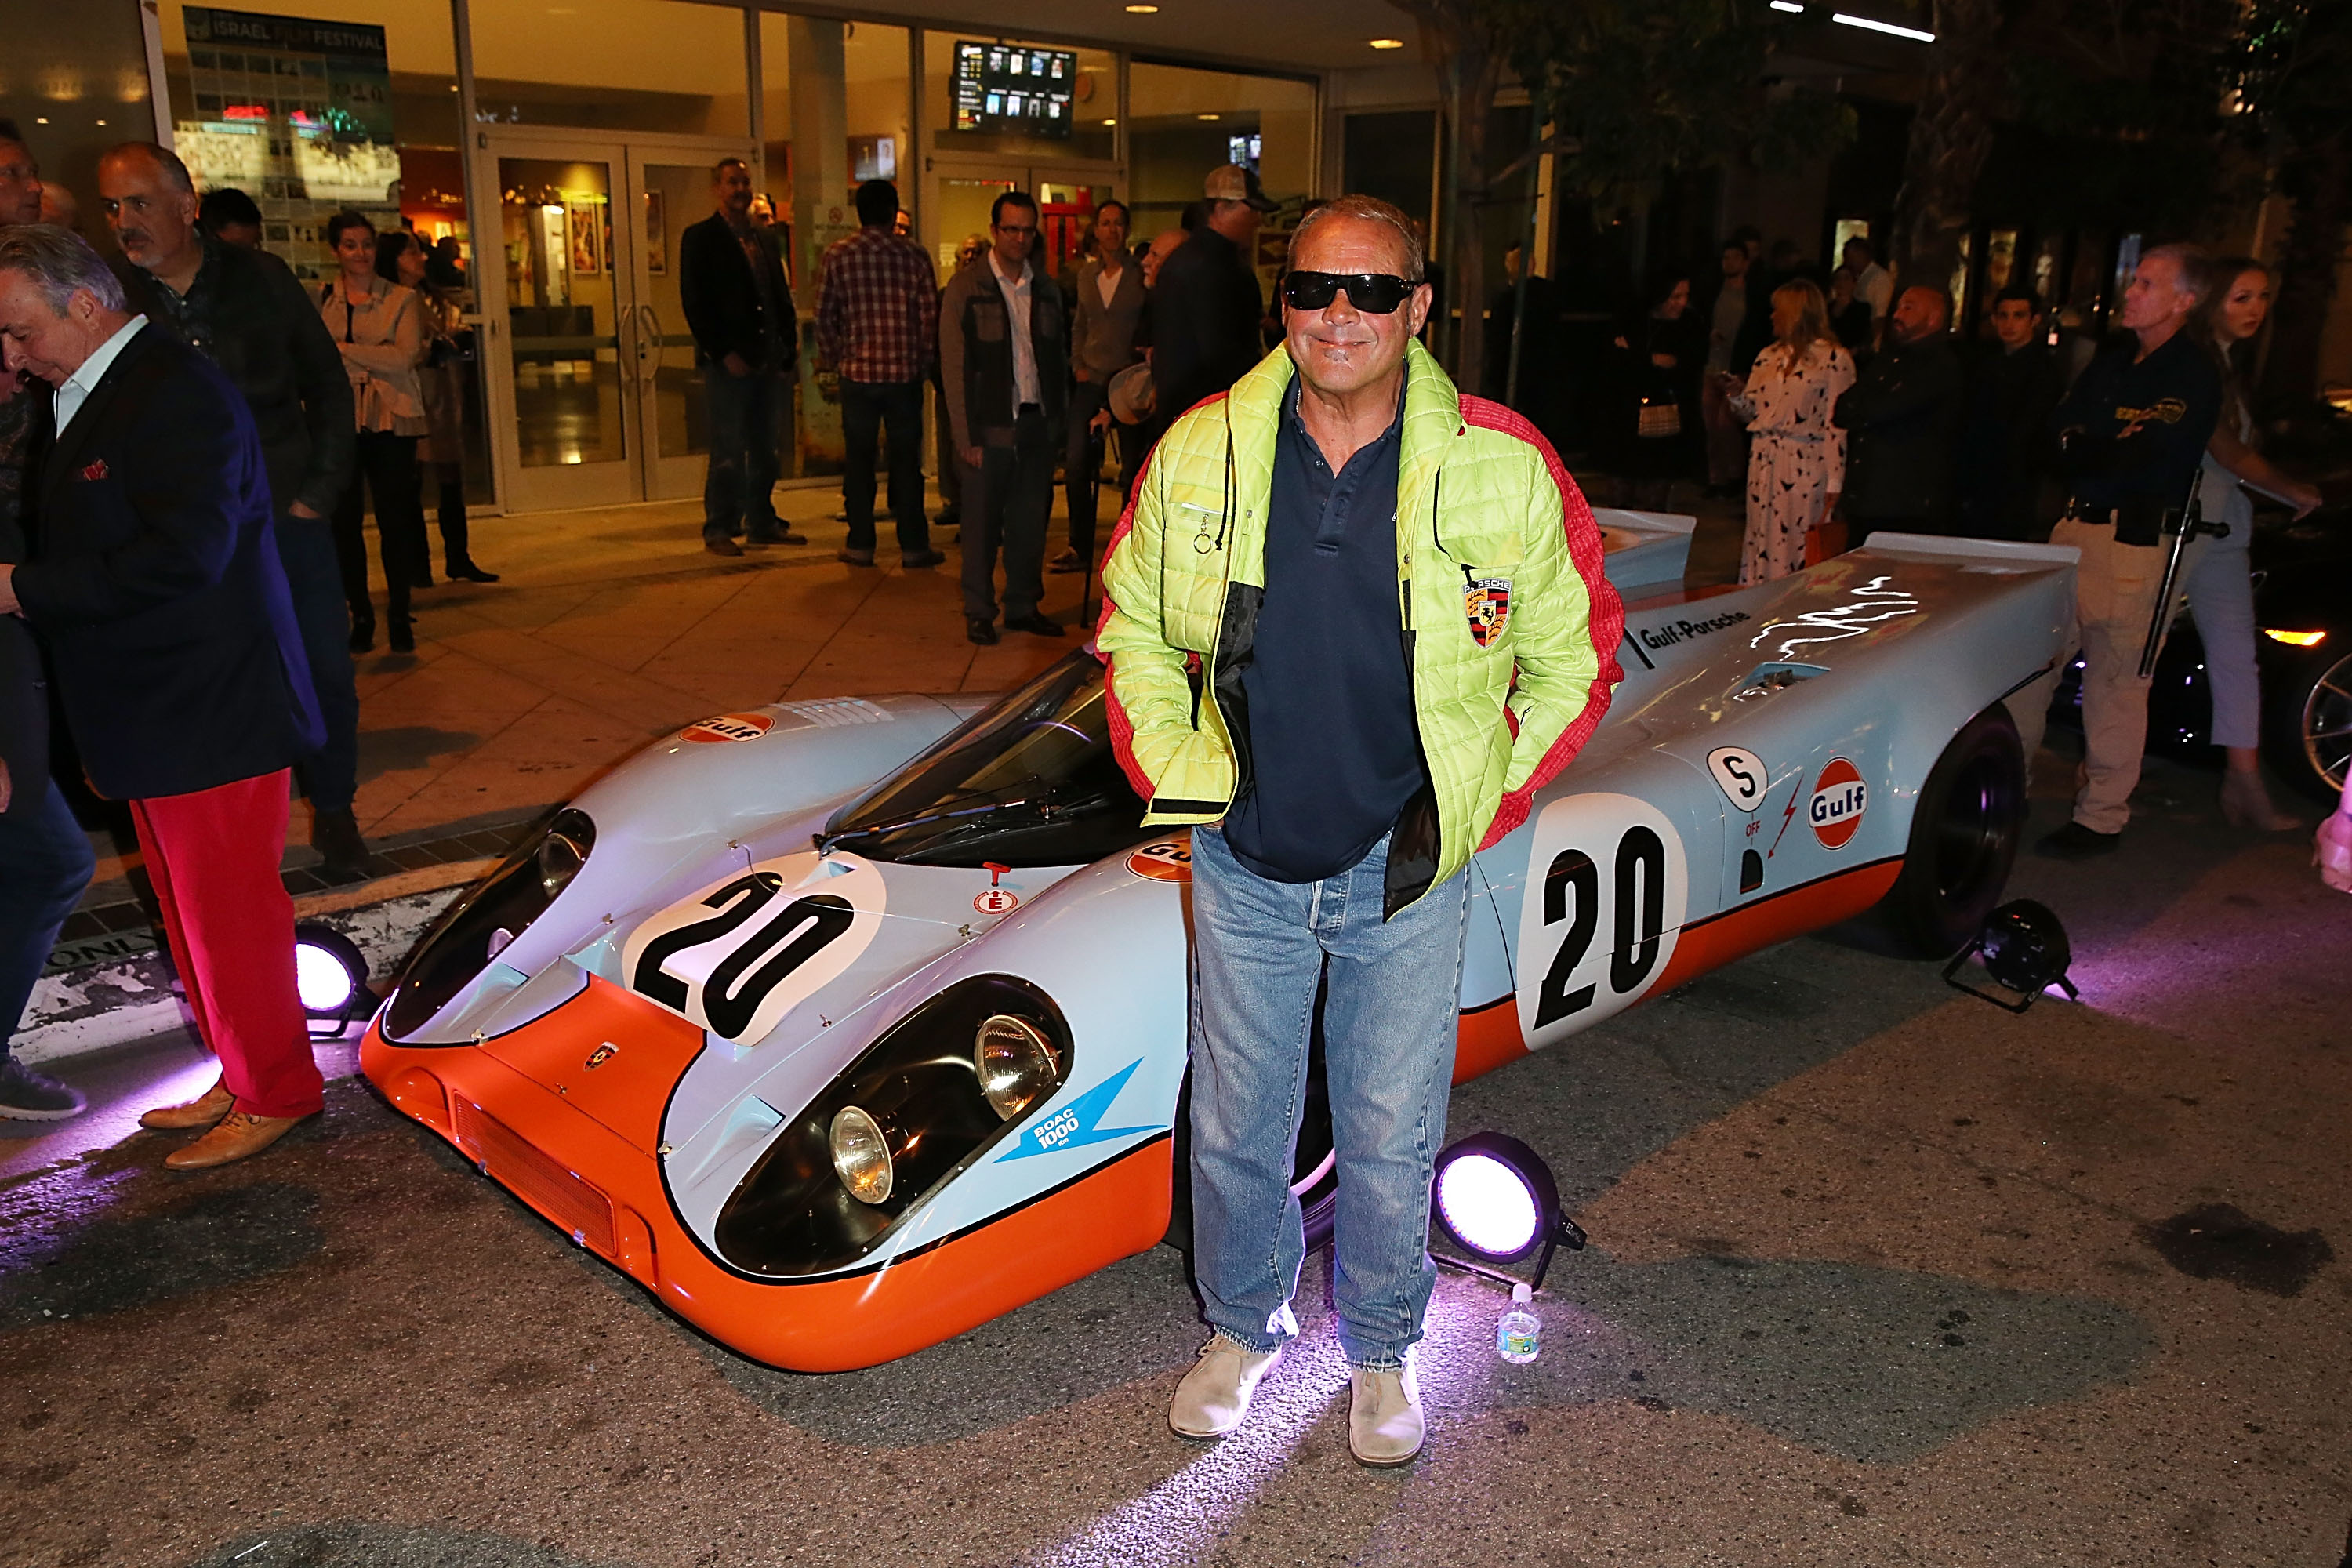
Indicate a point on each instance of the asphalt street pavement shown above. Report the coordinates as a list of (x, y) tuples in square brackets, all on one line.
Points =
[(1879, 1274)]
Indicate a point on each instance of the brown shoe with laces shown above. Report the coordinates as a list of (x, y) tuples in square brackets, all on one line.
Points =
[(240, 1136), (202, 1111)]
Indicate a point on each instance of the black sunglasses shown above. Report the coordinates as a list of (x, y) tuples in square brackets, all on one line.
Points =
[(1374, 293)]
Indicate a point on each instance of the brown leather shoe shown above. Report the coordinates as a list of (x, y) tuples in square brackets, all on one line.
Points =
[(202, 1111), (239, 1136)]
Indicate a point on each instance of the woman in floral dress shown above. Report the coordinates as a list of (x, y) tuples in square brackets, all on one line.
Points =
[(1796, 460)]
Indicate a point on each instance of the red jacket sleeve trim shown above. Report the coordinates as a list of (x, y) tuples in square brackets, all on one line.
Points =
[(1122, 730), (1607, 617)]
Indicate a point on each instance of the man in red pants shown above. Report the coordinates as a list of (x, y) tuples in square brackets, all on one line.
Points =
[(155, 582)]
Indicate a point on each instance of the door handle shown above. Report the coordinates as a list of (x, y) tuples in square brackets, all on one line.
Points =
[(649, 344)]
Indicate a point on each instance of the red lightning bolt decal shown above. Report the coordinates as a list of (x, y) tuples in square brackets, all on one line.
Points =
[(1787, 817)]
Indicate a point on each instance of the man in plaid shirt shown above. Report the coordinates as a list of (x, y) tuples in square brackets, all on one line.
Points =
[(877, 325)]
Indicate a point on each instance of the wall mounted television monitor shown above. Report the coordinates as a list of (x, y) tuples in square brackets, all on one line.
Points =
[(1005, 87)]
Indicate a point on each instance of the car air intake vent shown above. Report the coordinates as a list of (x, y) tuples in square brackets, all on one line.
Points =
[(577, 1208)]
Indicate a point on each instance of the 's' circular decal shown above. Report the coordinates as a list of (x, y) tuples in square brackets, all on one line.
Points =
[(1170, 860), (1741, 773), (997, 902), (1840, 797), (728, 727)]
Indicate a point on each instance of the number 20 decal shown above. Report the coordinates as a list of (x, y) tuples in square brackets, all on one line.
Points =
[(1605, 896), (739, 954)]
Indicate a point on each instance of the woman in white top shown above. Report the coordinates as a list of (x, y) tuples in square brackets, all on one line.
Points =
[(381, 328), (441, 383), (1796, 461), (2220, 591)]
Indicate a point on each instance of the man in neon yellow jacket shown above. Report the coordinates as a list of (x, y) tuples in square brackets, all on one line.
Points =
[(1355, 621)]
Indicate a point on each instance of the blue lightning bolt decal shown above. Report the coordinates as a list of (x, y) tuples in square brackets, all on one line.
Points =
[(1074, 1124)]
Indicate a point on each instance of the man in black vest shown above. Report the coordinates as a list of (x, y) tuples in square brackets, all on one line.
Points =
[(1004, 345), (732, 285), (246, 311), (156, 587)]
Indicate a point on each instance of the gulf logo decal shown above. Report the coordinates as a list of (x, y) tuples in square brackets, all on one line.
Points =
[(728, 727), (1170, 860), (1840, 797), (747, 949), (1608, 883)]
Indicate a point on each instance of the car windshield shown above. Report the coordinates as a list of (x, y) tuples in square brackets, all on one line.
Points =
[(1032, 781)]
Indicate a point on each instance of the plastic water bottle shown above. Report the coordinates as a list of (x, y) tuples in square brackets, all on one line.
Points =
[(1518, 1337)]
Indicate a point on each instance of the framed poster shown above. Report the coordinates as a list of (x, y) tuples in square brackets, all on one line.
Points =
[(656, 235), (585, 221)]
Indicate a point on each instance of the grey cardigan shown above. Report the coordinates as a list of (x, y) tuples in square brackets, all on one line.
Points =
[(1102, 337)]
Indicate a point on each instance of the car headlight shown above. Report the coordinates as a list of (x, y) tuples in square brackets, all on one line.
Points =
[(927, 1100), (498, 908), (861, 1155), (1017, 1065)]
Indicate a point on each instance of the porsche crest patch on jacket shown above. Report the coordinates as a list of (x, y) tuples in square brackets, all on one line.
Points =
[(1487, 602)]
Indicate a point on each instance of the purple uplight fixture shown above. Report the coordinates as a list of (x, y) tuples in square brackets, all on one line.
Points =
[(1496, 1199), (330, 976)]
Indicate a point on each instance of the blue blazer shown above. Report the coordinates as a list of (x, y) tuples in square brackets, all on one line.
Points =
[(154, 581)]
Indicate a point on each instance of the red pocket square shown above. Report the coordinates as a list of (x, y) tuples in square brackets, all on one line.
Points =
[(96, 470)]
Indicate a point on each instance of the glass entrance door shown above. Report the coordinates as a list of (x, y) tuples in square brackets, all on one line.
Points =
[(555, 311), (591, 366)]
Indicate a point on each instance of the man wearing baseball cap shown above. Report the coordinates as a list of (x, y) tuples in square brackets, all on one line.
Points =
[(1206, 307)]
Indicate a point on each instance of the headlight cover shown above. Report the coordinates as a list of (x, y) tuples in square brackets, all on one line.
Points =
[(805, 1206), (478, 926), (1017, 1065)]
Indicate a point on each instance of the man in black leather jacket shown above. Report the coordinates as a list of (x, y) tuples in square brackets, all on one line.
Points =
[(1901, 412)]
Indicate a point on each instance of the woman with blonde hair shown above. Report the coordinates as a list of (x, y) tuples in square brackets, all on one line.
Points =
[(1796, 461), (2220, 586)]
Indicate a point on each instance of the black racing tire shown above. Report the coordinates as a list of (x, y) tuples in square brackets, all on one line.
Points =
[(2307, 723), (1314, 1167), (1965, 832)]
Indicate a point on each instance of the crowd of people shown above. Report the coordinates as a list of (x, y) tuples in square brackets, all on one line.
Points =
[(184, 577), (1035, 371), (1857, 412)]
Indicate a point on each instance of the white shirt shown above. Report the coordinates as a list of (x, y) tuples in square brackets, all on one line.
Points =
[(1026, 387), (83, 381), (1107, 282), (1876, 286)]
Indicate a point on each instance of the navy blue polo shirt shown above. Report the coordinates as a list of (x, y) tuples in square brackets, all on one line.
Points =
[(1335, 750)]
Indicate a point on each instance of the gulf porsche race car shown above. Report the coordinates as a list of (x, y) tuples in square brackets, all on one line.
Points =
[(843, 1026)]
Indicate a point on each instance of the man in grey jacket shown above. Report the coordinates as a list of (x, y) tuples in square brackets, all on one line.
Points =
[(1102, 344), (1003, 343)]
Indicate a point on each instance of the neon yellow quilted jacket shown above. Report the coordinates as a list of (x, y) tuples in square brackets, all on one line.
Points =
[(1510, 627)]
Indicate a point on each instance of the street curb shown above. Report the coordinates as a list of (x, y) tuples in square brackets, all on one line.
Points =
[(107, 1004)]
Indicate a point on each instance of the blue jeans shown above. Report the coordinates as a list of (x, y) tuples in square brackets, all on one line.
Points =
[(738, 489), (1389, 1027), (306, 547), (45, 863)]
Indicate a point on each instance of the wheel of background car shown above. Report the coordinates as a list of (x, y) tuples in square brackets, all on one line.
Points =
[(2307, 728), (1964, 835)]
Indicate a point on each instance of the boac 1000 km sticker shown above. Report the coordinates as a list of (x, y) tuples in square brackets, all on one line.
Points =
[(742, 952), (1606, 891)]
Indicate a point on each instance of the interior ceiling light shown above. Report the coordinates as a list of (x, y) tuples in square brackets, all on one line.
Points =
[(1110, 122), (1875, 26), (1789, 6), (2297, 639), (1204, 117), (1142, 10), (1388, 43)]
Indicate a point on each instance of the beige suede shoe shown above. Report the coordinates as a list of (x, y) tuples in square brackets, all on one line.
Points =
[(1214, 1396), (1384, 1426)]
